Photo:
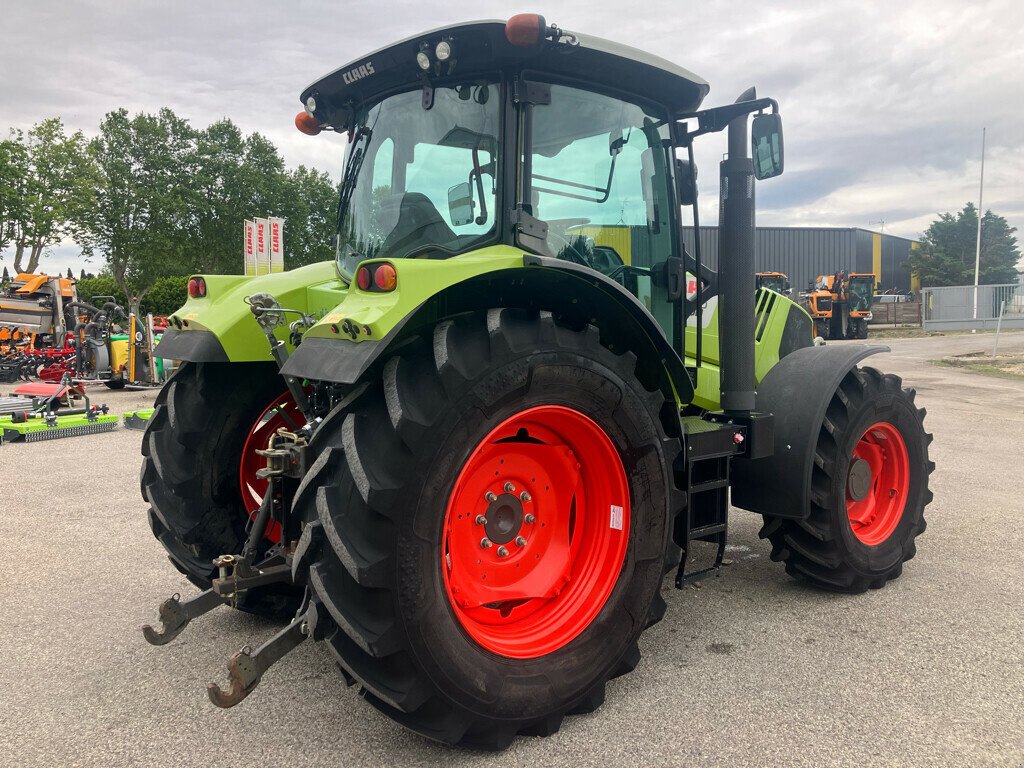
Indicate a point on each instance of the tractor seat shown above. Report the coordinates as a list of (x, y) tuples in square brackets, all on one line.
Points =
[(419, 224)]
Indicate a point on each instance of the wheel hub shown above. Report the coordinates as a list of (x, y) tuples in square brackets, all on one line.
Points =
[(878, 483), (504, 518), (858, 481)]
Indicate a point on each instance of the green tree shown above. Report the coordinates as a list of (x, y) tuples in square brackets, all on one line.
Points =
[(310, 210), (145, 198), (53, 183), (238, 177), (13, 169), (947, 251)]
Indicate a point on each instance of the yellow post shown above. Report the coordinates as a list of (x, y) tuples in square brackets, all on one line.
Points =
[(876, 257), (131, 349)]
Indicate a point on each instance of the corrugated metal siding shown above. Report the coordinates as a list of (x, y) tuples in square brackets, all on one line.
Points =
[(803, 253)]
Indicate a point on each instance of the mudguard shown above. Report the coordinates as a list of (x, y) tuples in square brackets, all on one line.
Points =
[(534, 282), (796, 391)]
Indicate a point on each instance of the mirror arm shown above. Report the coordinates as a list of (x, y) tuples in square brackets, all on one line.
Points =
[(718, 118)]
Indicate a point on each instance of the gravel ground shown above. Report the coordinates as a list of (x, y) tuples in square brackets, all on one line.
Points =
[(751, 669)]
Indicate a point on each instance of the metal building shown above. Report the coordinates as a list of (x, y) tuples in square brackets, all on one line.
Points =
[(803, 253)]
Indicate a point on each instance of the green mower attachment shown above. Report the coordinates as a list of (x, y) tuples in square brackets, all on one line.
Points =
[(137, 419), (55, 427)]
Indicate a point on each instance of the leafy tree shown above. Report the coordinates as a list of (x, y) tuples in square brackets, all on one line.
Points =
[(167, 295), (947, 251), (53, 182), (13, 169), (145, 200), (309, 209)]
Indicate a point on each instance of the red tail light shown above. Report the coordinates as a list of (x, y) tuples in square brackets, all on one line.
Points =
[(363, 278), (308, 124), (196, 288), (525, 29), (377, 278)]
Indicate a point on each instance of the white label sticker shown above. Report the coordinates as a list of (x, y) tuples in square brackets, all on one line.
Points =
[(616, 517)]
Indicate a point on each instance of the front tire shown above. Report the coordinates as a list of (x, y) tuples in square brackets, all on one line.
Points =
[(206, 422), (869, 488), (494, 417)]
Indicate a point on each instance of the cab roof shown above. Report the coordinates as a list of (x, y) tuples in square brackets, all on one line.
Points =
[(481, 46)]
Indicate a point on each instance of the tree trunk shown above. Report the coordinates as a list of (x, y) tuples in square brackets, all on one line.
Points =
[(33, 259), (19, 251)]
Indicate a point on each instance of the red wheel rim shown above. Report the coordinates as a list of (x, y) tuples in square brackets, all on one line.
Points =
[(282, 412), (548, 491), (877, 483)]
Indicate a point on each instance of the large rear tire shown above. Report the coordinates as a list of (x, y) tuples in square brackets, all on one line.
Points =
[(194, 447), (869, 488), (509, 428)]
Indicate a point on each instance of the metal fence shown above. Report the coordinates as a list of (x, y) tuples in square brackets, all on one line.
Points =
[(952, 308)]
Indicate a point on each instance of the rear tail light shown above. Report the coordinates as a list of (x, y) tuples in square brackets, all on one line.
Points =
[(525, 30), (377, 278), (196, 288), (385, 277)]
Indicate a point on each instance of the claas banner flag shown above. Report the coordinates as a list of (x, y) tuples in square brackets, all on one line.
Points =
[(276, 244), (262, 247), (249, 247)]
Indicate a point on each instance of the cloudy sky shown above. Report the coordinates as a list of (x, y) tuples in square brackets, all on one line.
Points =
[(883, 102)]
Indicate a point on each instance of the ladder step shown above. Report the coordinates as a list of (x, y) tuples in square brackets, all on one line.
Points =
[(707, 530), (688, 578), (709, 485)]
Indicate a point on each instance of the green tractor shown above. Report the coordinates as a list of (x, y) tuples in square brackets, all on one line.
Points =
[(466, 454)]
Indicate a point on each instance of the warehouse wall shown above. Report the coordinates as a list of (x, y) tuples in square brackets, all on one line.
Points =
[(803, 253)]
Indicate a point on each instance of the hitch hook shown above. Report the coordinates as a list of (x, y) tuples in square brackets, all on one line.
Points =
[(175, 615), (246, 668)]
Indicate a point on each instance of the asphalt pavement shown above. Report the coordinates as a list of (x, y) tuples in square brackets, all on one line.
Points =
[(752, 668)]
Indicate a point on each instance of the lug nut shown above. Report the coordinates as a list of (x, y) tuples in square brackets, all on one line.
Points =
[(529, 519), (489, 496), (502, 552), (481, 520), (485, 542), (524, 496), (520, 541), (509, 488)]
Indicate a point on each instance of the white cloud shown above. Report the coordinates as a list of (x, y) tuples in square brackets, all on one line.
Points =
[(883, 102)]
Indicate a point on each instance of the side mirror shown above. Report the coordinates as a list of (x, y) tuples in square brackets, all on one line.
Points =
[(686, 182), (766, 145), (460, 204)]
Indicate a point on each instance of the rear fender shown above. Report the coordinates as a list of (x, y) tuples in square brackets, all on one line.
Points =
[(797, 392), (220, 327), (355, 336)]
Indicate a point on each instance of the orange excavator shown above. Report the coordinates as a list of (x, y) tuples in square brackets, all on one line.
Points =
[(840, 304)]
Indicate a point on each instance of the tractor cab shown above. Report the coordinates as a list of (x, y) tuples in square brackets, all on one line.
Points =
[(773, 281), (521, 134)]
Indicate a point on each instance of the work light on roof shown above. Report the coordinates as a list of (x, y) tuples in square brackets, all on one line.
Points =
[(443, 52), (311, 105), (423, 58)]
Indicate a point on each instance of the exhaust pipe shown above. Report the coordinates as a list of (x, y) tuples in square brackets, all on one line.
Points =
[(736, 269)]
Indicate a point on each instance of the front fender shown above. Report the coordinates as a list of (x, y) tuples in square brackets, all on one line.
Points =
[(797, 391)]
